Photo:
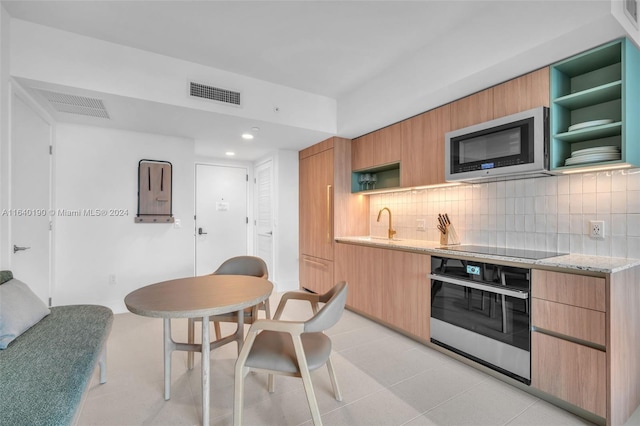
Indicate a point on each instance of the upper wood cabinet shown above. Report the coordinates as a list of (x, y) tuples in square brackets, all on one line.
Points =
[(377, 148), (522, 93), (423, 148), (473, 109)]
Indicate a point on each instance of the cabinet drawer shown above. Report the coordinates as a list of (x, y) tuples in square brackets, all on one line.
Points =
[(570, 289), (569, 371), (316, 274), (580, 323)]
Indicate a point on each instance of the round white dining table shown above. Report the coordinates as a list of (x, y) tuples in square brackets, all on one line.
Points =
[(198, 297)]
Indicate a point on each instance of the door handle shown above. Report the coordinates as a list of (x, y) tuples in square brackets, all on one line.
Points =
[(269, 233), (200, 232), (17, 249)]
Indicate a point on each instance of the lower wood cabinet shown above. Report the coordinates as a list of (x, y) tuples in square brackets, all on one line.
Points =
[(568, 348), (570, 371), (388, 285), (316, 274), (406, 291), (361, 268)]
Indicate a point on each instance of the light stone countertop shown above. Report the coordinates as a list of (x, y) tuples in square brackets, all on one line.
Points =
[(578, 262)]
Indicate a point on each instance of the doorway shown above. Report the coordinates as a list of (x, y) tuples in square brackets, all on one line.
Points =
[(264, 238), (30, 212), (221, 215)]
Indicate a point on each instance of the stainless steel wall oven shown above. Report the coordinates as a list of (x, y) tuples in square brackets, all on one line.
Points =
[(481, 311)]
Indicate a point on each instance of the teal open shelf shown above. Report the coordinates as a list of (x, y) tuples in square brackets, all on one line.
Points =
[(602, 83), (386, 177)]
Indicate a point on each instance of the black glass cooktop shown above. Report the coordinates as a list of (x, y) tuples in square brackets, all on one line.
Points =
[(502, 251)]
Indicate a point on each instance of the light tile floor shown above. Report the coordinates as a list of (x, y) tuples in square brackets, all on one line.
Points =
[(385, 378)]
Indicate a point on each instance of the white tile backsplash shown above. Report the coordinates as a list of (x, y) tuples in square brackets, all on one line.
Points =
[(549, 213)]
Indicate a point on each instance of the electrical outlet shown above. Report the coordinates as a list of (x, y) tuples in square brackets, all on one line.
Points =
[(112, 279), (421, 225), (177, 224), (596, 229)]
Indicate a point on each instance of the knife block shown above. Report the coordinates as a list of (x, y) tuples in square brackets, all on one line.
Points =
[(449, 237)]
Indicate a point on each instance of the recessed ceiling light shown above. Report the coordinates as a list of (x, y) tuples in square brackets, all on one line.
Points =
[(230, 153), (247, 136)]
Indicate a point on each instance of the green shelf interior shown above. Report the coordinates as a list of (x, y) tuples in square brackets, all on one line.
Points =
[(589, 133), (388, 176), (593, 60), (603, 93)]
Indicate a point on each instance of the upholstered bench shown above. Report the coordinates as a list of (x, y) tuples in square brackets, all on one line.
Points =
[(45, 370)]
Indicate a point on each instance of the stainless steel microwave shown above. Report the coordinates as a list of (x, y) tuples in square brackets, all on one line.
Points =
[(514, 146)]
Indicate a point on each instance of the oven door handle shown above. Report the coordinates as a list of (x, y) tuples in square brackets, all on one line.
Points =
[(479, 286)]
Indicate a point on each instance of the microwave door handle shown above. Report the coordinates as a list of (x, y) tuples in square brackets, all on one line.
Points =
[(480, 286)]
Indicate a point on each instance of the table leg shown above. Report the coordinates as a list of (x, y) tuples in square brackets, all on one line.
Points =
[(240, 330), (205, 370), (167, 358)]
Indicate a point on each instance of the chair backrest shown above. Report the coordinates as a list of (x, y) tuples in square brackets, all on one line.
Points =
[(330, 312), (243, 265)]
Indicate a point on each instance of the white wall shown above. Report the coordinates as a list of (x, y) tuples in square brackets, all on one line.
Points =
[(286, 220), (97, 168), (547, 214), (4, 137)]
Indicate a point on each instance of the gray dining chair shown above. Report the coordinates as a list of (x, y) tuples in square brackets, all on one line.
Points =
[(292, 348), (239, 265)]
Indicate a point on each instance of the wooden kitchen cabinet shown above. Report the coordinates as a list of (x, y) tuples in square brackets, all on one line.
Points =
[(568, 348), (522, 93), (377, 148), (519, 94), (361, 268), (570, 371), (406, 291), (326, 209), (388, 285), (316, 274), (473, 109), (585, 331), (423, 148)]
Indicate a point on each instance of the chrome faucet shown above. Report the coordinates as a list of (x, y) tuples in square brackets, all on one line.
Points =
[(391, 232)]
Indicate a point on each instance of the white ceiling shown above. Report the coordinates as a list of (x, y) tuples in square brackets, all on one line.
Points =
[(337, 49)]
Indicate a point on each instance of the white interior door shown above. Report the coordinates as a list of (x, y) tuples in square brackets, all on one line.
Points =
[(221, 215), (30, 198), (264, 214)]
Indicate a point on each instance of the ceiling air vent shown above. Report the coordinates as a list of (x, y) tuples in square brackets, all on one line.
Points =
[(212, 93), (73, 104), (631, 10)]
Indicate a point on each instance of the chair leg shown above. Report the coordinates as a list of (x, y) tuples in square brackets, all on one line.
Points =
[(267, 309), (216, 327), (334, 380), (271, 383), (238, 394), (306, 381), (240, 372), (190, 339)]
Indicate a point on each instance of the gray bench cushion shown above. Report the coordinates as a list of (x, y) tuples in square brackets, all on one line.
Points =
[(44, 372)]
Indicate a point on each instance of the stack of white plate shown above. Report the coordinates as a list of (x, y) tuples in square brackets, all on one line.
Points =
[(592, 155), (591, 123)]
